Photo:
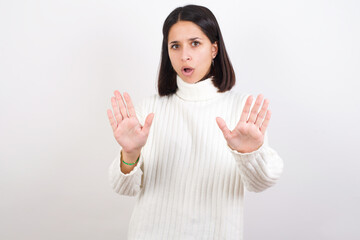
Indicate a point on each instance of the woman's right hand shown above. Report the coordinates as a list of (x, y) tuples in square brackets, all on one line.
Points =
[(127, 130)]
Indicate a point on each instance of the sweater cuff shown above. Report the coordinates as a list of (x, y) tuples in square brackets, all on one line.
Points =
[(260, 169), (125, 184)]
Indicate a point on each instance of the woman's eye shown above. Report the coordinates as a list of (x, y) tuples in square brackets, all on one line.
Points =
[(175, 46), (195, 43)]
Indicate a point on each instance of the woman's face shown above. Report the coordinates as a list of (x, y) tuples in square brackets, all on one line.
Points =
[(190, 51)]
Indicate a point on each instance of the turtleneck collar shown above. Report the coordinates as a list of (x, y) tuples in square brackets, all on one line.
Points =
[(200, 91)]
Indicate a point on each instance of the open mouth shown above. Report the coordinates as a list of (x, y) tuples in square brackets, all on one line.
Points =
[(187, 71)]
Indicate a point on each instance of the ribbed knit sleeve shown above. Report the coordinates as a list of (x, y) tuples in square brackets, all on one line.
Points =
[(127, 184), (260, 169)]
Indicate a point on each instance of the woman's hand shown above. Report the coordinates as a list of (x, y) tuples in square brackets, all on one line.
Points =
[(128, 132), (248, 135)]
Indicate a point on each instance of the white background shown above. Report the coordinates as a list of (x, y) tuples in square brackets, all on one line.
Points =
[(60, 62)]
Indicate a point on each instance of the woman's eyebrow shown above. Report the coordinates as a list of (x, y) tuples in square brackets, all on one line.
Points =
[(190, 39)]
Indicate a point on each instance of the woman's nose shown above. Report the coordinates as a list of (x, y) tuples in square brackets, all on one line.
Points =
[(185, 56)]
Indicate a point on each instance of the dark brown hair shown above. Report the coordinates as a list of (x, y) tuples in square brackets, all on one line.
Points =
[(222, 70)]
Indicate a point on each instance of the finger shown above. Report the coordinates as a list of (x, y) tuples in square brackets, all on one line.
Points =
[(121, 104), (148, 122), (116, 110), (255, 109), (261, 115), (130, 105), (222, 125), (246, 110), (112, 120), (266, 122)]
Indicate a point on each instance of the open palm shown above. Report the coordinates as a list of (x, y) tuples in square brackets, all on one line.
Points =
[(127, 130), (248, 135)]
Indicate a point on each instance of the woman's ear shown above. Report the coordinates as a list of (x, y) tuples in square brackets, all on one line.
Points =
[(214, 49)]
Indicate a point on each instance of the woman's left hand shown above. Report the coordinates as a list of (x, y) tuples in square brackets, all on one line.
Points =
[(248, 135)]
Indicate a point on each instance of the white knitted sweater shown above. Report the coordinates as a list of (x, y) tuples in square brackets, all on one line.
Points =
[(188, 183)]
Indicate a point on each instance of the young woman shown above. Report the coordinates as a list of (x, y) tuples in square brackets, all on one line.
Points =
[(189, 152)]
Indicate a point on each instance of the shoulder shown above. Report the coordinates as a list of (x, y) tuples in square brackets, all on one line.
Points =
[(236, 98), (150, 103), (234, 103), (144, 104)]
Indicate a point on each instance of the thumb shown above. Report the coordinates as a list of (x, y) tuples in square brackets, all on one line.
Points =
[(222, 125), (148, 122)]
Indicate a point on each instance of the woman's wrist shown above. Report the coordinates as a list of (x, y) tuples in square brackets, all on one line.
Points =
[(130, 157)]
